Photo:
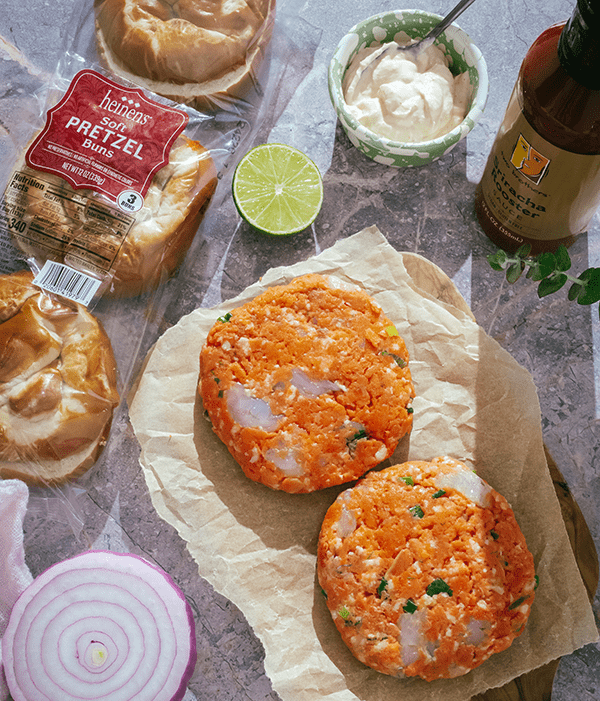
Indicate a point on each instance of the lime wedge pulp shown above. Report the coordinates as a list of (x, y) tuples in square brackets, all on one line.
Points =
[(277, 189)]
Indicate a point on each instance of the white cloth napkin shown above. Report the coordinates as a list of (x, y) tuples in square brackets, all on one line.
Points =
[(15, 576)]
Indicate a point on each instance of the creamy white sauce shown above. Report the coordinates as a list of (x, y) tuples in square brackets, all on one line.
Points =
[(404, 98)]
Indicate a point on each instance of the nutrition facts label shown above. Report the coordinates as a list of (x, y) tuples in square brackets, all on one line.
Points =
[(43, 218)]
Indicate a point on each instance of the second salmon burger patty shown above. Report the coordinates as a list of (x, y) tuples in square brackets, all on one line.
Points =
[(425, 569)]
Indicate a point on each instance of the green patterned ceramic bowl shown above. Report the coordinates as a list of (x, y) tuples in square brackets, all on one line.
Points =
[(383, 28)]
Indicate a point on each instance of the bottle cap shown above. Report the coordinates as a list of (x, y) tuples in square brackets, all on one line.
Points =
[(590, 13), (579, 44)]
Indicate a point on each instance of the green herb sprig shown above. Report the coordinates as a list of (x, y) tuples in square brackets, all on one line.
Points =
[(550, 271)]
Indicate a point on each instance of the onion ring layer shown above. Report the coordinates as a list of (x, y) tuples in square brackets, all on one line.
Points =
[(101, 625)]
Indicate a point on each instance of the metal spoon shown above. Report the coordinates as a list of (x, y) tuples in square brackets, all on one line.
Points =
[(422, 44)]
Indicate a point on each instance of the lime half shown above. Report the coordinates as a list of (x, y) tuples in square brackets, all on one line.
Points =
[(277, 189)]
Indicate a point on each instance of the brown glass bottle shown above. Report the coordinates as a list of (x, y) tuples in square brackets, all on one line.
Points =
[(541, 184)]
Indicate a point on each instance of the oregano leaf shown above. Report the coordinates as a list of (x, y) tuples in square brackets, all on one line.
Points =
[(563, 259), (591, 292), (513, 273), (546, 265), (574, 291), (551, 284), (523, 251), (497, 260), (494, 264), (541, 267)]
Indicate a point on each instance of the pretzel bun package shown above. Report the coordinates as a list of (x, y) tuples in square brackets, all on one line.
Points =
[(111, 186), (100, 208), (114, 173), (155, 241), (195, 52)]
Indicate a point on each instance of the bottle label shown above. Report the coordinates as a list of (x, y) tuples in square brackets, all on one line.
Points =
[(535, 189)]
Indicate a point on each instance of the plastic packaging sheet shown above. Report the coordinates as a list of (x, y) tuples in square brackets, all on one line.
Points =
[(258, 547), (213, 58), (73, 235)]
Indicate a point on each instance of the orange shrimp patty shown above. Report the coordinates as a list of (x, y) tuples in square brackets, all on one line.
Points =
[(425, 570), (308, 384)]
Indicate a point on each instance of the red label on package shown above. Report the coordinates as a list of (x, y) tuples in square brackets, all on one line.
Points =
[(108, 138)]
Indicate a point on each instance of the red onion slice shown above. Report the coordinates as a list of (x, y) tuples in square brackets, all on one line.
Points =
[(100, 625)]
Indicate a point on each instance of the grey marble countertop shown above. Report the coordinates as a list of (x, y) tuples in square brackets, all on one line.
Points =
[(428, 211)]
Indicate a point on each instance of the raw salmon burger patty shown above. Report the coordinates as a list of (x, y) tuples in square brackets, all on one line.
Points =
[(307, 384), (425, 570)]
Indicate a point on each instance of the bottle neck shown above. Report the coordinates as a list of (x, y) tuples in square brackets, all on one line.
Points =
[(579, 45)]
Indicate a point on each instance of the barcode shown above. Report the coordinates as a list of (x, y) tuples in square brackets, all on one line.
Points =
[(65, 281)]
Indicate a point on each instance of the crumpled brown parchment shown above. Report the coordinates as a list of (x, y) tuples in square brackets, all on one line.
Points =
[(258, 547)]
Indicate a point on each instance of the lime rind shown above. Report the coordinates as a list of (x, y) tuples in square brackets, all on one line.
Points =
[(277, 189)]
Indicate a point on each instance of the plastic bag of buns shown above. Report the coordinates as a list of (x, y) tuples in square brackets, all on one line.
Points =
[(109, 188), (239, 61), (144, 221), (58, 384), (99, 209), (108, 193)]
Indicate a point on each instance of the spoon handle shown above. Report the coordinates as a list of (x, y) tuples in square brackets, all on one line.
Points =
[(449, 18)]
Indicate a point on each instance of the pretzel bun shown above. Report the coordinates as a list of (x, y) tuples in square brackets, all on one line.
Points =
[(198, 52), (174, 206), (57, 385), (156, 244)]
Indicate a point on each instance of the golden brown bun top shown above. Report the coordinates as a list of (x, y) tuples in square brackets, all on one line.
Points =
[(14, 290), (174, 205), (182, 41), (57, 384)]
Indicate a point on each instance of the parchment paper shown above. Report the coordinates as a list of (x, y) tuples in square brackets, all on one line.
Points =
[(258, 547)]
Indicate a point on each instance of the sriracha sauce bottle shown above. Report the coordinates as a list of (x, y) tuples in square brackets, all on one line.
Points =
[(541, 183)]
